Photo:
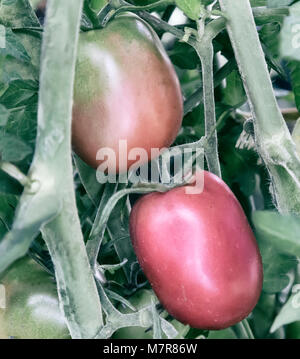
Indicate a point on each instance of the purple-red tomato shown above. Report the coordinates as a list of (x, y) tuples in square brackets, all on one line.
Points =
[(199, 254), (125, 89)]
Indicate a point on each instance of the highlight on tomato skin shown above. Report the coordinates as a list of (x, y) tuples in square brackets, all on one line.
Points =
[(199, 254), (126, 88)]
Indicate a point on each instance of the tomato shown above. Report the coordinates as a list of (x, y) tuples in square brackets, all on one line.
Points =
[(199, 254), (125, 89), (32, 309)]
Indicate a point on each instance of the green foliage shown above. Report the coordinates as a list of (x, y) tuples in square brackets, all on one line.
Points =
[(192, 8), (242, 169)]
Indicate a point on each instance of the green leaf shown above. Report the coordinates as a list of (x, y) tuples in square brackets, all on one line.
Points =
[(290, 312), (262, 316), (184, 56), (281, 232), (12, 148), (7, 208), (4, 114), (234, 93), (276, 268), (14, 47), (273, 247), (192, 8), (20, 93), (17, 13)]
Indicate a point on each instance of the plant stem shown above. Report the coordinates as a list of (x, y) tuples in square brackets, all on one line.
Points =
[(76, 286), (205, 52), (272, 136), (14, 172)]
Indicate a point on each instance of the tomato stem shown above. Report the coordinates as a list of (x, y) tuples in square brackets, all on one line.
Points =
[(14, 172), (274, 142)]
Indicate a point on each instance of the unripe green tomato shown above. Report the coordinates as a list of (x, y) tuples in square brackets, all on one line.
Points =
[(125, 89), (293, 330), (31, 309)]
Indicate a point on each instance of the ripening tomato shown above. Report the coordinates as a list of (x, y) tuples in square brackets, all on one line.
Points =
[(125, 89), (31, 309), (199, 254)]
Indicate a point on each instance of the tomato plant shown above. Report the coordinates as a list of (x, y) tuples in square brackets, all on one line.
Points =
[(133, 255)]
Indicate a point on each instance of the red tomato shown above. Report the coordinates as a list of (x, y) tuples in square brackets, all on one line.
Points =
[(125, 89), (199, 254)]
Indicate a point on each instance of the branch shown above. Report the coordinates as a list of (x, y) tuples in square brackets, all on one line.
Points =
[(274, 142)]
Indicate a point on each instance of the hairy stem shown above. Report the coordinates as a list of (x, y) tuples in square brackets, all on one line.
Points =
[(206, 53), (76, 286), (272, 136)]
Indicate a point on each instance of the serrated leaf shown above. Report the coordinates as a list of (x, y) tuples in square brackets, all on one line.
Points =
[(14, 47), (17, 13), (290, 312), (192, 8)]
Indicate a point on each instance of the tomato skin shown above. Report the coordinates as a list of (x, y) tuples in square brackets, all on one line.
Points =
[(125, 89), (32, 309), (199, 254)]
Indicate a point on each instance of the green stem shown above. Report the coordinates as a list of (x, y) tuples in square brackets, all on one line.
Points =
[(76, 286), (243, 330), (14, 172), (99, 227), (273, 139), (196, 98), (205, 52), (120, 6)]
